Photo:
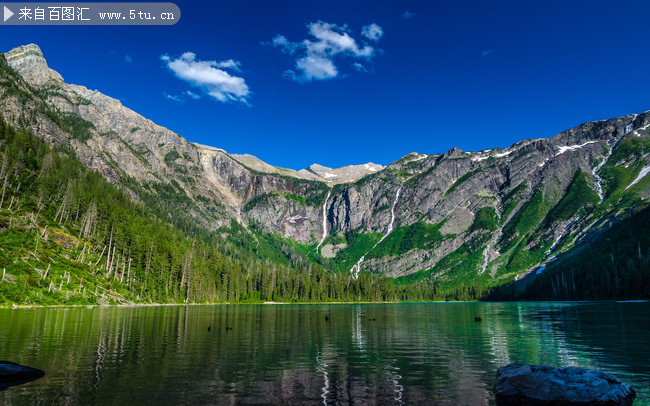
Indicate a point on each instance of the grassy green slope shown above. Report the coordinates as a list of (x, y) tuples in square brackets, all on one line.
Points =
[(69, 237)]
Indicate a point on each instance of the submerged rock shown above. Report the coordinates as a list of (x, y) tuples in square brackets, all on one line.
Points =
[(12, 374), (537, 385)]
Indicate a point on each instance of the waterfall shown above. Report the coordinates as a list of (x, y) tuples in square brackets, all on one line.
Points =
[(324, 221), (594, 172), (599, 180), (550, 251), (392, 218), (356, 268), (492, 243)]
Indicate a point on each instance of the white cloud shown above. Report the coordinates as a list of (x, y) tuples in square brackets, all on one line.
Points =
[(487, 52), (407, 15), (315, 56), (210, 77), (316, 67), (128, 58), (372, 32), (229, 64)]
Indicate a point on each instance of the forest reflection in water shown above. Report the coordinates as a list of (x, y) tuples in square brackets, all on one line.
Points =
[(389, 354)]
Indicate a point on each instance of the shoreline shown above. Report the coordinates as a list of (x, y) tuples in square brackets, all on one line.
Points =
[(16, 307)]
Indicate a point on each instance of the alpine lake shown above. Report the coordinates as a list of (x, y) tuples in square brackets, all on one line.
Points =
[(313, 354)]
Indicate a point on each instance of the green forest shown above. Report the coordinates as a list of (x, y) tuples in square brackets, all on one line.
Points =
[(67, 236), (613, 265)]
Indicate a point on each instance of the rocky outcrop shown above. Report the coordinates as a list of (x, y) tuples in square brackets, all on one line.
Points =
[(538, 385), (12, 374)]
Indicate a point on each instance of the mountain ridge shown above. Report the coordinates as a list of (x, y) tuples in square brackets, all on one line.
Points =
[(458, 217)]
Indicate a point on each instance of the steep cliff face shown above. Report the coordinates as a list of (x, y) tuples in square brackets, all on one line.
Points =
[(151, 161), (458, 217), (498, 213)]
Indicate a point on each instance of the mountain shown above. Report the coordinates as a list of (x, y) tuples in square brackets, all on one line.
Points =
[(334, 176), (344, 174), (69, 236), (458, 218)]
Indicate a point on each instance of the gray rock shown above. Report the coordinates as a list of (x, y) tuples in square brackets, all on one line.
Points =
[(12, 374), (519, 384)]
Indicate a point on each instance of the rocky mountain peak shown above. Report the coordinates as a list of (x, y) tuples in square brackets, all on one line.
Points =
[(343, 174), (30, 62), (318, 168), (29, 49), (454, 153)]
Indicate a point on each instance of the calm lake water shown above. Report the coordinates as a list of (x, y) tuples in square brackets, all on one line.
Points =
[(387, 354)]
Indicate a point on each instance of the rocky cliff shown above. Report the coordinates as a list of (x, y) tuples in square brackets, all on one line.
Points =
[(458, 217)]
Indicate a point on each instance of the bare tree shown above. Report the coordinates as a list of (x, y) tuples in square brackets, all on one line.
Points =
[(65, 204), (89, 221)]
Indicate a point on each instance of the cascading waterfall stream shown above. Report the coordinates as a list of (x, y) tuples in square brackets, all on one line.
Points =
[(392, 217), (557, 241), (594, 172), (492, 243), (357, 267), (542, 265), (324, 221)]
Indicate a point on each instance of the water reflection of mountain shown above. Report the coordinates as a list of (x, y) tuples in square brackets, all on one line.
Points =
[(279, 354)]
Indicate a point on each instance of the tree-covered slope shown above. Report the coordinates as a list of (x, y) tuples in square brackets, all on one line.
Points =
[(69, 236)]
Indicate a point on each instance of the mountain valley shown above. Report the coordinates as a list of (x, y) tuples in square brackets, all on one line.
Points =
[(454, 220)]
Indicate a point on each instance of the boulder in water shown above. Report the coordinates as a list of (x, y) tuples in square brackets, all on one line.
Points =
[(538, 385), (12, 374)]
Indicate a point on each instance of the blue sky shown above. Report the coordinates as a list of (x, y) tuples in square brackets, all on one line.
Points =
[(298, 82)]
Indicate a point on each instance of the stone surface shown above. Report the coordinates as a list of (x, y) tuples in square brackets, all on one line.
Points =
[(538, 385), (12, 374)]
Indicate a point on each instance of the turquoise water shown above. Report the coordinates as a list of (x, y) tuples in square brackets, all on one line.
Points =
[(387, 354)]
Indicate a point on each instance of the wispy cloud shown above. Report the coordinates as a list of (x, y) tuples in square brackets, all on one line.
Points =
[(359, 67), (407, 15), (173, 98), (315, 56), (192, 94), (487, 52), (210, 77), (286, 46), (183, 97), (372, 32), (128, 58)]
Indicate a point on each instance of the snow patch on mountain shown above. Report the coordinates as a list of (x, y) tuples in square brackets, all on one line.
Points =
[(568, 148), (641, 175), (497, 155)]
